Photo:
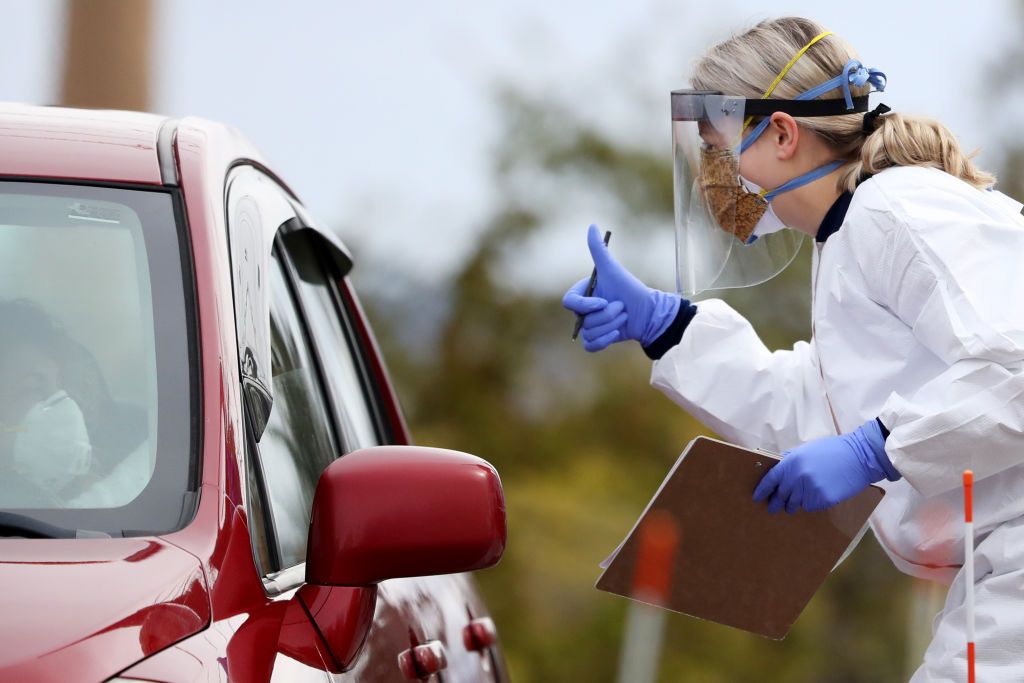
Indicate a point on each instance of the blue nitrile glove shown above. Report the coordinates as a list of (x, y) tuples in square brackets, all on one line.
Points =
[(819, 474), (621, 307)]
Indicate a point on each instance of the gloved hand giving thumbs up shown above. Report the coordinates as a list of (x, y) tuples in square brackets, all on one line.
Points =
[(621, 306)]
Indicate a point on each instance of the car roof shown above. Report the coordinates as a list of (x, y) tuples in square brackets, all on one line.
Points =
[(84, 144)]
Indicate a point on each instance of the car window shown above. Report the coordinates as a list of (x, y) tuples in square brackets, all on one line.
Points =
[(298, 442), (95, 424), (346, 379)]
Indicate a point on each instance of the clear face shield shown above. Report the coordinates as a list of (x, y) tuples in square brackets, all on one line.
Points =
[(726, 234)]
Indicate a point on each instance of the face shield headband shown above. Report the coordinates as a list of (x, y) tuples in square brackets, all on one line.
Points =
[(854, 73)]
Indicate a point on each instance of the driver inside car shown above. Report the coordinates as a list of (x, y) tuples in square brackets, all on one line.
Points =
[(44, 441)]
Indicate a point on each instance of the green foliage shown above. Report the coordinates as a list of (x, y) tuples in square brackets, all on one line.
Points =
[(1007, 71), (582, 441)]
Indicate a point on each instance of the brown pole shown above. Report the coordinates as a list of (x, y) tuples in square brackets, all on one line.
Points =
[(107, 54)]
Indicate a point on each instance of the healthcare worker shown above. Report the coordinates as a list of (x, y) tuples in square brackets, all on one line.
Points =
[(915, 367)]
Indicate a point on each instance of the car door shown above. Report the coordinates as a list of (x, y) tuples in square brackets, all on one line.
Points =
[(424, 614), (295, 426)]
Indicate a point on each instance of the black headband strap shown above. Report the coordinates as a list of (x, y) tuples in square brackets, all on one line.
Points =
[(871, 116), (798, 108)]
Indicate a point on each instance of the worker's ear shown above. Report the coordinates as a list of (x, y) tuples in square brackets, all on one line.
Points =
[(784, 134)]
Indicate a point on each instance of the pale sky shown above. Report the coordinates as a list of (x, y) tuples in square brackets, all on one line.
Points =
[(381, 115)]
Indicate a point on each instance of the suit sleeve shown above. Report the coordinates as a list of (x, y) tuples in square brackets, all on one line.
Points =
[(722, 373)]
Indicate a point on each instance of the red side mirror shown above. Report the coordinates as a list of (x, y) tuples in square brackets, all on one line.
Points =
[(395, 511)]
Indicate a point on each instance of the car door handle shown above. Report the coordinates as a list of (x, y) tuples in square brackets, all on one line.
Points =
[(480, 634), (423, 660)]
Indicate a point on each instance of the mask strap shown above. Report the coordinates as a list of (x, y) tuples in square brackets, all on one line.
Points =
[(746, 142), (802, 180), (854, 73)]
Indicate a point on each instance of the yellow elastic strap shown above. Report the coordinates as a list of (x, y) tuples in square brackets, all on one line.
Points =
[(785, 70), (798, 55)]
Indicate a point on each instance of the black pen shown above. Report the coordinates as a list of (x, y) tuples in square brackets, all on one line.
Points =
[(590, 291)]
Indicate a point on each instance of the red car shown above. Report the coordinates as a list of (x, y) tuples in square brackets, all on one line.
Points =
[(182, 362)]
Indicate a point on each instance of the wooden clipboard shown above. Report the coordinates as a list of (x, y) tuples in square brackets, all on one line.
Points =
[(734, 563)]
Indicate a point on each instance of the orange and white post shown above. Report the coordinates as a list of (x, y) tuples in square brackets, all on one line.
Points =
[(969, 568), (652, 584)]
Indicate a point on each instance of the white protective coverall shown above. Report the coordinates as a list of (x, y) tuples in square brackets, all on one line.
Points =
[(917, 318)]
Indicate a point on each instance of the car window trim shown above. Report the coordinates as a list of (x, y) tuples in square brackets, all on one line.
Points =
[(370, 391), (291, 276), (254, 462), (191, 287)]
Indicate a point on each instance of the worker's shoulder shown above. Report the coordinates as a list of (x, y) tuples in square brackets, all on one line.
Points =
[(916, 196), (900, 186)]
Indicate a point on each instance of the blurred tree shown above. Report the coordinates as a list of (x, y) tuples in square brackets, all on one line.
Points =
[(107, 54), (582, 442), (1009, 71)]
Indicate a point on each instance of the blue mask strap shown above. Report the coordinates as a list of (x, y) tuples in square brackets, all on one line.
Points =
[(799, 181), (854, 73), (802, 180), (754, 134)]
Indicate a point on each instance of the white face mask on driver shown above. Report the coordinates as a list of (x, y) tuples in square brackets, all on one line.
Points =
[(52, 445), (769, 222)]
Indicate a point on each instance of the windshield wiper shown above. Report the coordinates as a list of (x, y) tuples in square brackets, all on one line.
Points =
[(14, 524)]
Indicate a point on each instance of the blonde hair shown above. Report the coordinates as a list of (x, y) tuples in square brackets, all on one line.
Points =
[(746, 65)]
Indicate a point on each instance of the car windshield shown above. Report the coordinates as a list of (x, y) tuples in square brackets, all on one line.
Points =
[(95, 372)]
